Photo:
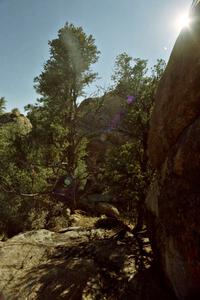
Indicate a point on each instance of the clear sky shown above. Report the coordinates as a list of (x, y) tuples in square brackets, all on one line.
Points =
[(142, 28)]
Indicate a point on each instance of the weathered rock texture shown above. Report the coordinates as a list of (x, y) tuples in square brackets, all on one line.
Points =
[(78, 263), (174, 149)]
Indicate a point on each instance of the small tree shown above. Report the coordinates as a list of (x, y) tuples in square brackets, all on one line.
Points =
[(127, 170)]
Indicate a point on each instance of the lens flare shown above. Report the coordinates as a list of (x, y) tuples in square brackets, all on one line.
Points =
[(130, 99), (183, 21)]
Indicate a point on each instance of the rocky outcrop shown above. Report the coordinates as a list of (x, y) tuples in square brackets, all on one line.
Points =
[(77, 263), (30, 267), (97, 205), (173, 201), (178, 95), (99, 117), (18, 123), (107, 209), (99, 112)]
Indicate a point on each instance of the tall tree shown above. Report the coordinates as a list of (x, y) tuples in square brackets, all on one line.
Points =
[(56, 114)]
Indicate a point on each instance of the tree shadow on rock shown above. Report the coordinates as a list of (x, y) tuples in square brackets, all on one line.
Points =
[(98, 269), (149, 284)]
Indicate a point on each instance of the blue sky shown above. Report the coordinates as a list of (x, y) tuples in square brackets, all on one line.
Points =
[(142, 28)]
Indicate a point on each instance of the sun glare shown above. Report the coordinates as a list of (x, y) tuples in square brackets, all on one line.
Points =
[(183, 21)]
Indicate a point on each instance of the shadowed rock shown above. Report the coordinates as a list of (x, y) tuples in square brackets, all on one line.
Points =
[(77, 264), (174, 147), (107, 209)]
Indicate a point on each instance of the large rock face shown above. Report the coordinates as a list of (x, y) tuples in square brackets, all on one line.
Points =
[(174, 149)]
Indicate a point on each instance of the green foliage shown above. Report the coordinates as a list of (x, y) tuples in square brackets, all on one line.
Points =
[(16, 178), (37, 150), (127, 171), (56, 136), (81, 170), (67, 71), (2, 105), (129, 75)]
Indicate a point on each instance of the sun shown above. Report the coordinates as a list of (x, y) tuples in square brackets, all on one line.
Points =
[(183, 21)]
